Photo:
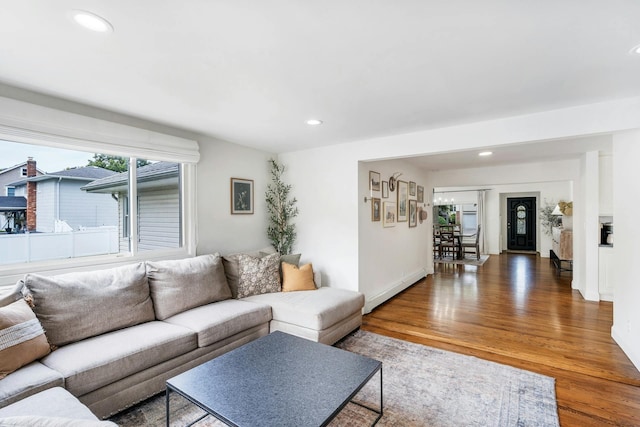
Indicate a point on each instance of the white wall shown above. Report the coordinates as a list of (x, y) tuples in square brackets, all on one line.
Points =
[(218, 230), (391, 259), (626, 205)]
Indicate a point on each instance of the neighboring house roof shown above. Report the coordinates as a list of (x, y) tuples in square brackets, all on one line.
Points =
[(19, 165), (10, 203), (87, 173), (154, 175)]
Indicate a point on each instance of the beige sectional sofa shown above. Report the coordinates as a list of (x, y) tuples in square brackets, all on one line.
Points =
[(121, 333)]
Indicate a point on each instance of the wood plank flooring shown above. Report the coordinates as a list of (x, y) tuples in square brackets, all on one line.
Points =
[(516, 310)]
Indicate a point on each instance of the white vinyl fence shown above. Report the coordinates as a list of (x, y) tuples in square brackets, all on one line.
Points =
[(29, 247)]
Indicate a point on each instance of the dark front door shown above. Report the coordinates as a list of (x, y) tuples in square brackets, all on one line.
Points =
[(521, 224)]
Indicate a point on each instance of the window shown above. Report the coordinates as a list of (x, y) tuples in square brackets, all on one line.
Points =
[(521, 220), (83, 206), (23, 172), (11, 191)]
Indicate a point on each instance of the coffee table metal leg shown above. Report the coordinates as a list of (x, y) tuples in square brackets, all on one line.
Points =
[(381, 411)]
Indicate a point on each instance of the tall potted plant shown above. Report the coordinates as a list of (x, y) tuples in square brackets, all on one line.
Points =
[(281, 231)]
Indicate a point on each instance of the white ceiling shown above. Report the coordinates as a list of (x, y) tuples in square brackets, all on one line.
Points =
[(253, 71)]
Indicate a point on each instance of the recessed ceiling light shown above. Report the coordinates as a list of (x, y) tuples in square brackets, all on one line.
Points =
[(635, 50), (91, 21), (485, 153), (314, 122)]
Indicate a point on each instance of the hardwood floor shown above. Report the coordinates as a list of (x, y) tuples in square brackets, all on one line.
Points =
[(516, 310)]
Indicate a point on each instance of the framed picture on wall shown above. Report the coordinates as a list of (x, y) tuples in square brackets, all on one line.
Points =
[(412, 189), (241, 196), (385, 189), (420, 194), (376, 209), (389, 214), (413, 213), (403, 201), (374, 181)]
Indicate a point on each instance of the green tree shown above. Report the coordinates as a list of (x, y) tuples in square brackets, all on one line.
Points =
[(281, 210), (114, 163)]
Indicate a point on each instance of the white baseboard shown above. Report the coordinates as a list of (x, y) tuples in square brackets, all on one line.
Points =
[(625, 346), (606, 297), (393, 290)]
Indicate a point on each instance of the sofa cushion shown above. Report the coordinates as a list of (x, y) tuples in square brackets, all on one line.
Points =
[(296, 278), (318, 310), (54, 402), (22, 339), (79, 305), (98, 361), (41, 421), (258, 275), (215, 322), (179, 285), (232, 267), (27, 381)]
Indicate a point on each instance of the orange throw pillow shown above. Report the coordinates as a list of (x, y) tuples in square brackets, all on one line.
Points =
[(296, 278)]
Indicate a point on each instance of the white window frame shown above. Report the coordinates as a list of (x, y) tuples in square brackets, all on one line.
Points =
[(34, 124)]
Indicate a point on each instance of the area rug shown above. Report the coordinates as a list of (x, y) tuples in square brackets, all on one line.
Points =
[(468, 260), (423, 386)]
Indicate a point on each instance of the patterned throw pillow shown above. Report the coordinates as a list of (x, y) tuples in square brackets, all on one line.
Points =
[(258, 275), (22, 338)]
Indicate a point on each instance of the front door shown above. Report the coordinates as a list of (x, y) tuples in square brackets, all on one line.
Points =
[(521, 224)]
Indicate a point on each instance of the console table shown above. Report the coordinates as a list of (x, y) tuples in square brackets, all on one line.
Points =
[(561, 252)]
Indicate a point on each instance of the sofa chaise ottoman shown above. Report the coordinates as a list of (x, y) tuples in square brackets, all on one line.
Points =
[(54, 407)]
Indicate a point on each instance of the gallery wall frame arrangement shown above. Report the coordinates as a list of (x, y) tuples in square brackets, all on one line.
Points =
[(403, 199), (241, 196), (389, 214), (412, 189), (420, 194), (376, 209)]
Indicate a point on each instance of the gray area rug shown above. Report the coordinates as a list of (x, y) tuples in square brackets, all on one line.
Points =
[(423, 386), (467, 260)]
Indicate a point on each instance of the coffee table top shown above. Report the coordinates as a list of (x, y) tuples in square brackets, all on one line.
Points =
[(277, 380)]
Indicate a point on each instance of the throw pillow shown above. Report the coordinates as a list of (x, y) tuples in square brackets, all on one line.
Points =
[(179, 285), (258, 275), (22, 338), (232, 267), (293, 259), (75, 306), (297, 278)]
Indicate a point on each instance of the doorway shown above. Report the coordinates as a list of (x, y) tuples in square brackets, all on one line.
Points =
[(521, 223)]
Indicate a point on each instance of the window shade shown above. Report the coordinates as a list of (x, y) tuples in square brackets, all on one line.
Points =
[(34, 124)]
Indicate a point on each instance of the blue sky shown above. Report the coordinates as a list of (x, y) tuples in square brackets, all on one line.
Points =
[(47, 159)]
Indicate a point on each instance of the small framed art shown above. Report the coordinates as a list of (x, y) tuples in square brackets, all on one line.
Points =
[(412, 189), (389, 214), (385, 189), (376, 209), (241, 196), (420, 194), (403, 199), (374, 181), (413, 213)]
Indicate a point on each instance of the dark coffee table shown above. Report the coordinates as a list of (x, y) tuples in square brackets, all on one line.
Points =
[(277, 380)]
